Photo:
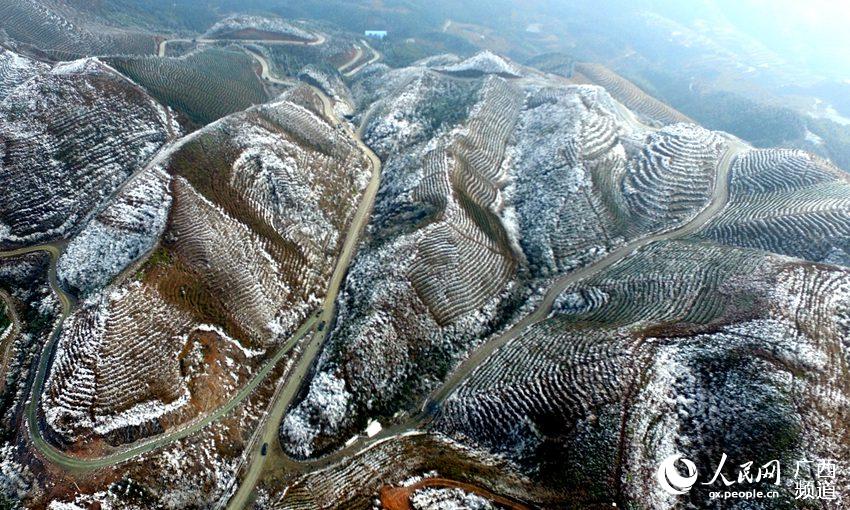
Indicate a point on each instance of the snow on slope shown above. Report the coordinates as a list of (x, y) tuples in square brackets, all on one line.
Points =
[(69, 28), (126, 229), (99, 380), (448, 499), (490, 186), (69, 137), (247, 240), (485, 62), (237, 23), (16, 69)]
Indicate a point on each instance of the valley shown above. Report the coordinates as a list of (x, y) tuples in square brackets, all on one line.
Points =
[(256, 261)]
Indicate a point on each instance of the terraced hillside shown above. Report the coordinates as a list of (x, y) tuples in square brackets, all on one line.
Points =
[(357, 481), (627, 372), (203, 85), (627, 93), (672, 176), (249, 211), (292, 59), (551, 295), (490, 185), (671, 282), (69, 136), (787, 202), (68, 31)]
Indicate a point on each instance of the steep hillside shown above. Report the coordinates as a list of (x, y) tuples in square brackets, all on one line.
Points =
[(292, 59), (261, 268), (69, 136), (491, 186), (258, 27), (357, 481), (16, 69), (250, 212), (787, 202), (682, 347), (627, 93), (31, 307), (204, 85), (66, 31)]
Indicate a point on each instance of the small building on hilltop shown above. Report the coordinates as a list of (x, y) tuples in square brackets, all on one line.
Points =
[(376, 34)]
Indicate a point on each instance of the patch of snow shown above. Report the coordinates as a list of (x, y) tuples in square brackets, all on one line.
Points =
[(813, 138), (268, 24), (81, 66), (326, 406), (249, 353), (5, 232), (485, 62), (13, 475), (448, 499), (62, 505), (127, 229), (373, 428), (138, 414)]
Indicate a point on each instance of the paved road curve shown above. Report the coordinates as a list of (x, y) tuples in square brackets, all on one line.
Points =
[(287, 391), (80, 464), (351, 72), (77, 464), (320, 39), (266, 73)]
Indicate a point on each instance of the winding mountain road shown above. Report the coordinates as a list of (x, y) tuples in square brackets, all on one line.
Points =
[(78, 464), (161, 48), (290, 386), (265, 69), (84, 464), (66, 300), (358, 54), (718, 200), (351, 72), (285, 392), (268, 429), (266, 74)]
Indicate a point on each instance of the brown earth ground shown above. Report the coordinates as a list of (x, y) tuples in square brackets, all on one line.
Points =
[(398, 498)]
